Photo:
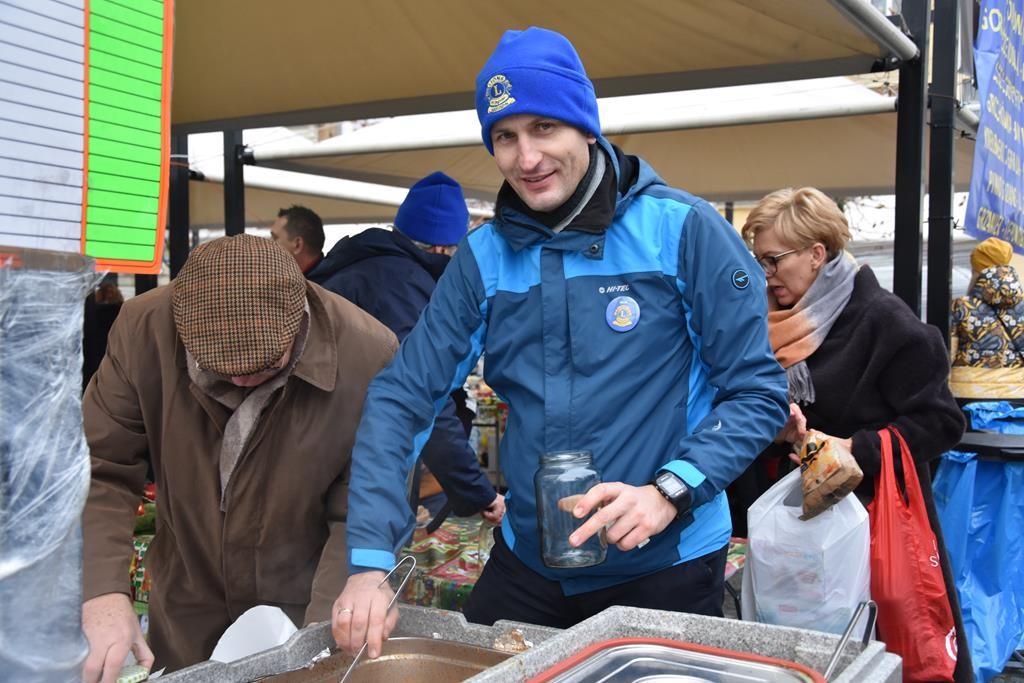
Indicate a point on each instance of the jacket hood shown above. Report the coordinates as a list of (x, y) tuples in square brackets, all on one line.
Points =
[(999, 286), (373, 243)]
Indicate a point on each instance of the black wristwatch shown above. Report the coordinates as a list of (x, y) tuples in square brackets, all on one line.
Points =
[(675, 491)]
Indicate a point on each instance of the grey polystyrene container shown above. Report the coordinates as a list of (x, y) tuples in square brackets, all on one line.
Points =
[(549, 647)]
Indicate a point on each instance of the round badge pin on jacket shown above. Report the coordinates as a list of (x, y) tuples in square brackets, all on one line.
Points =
[(622, 314)]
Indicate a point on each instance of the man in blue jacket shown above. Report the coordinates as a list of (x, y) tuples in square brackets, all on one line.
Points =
[(618, 315), (391, 275)]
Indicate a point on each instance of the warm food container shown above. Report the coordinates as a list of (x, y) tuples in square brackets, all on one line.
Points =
[(410, 660), (655, 660)]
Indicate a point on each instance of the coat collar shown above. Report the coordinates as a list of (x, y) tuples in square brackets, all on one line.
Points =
[(318, 364), (631, 176)]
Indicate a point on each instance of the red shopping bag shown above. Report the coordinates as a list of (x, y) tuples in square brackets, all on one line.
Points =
[(914, 617)]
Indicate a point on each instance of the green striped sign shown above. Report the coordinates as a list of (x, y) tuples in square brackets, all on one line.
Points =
[(126, 104)]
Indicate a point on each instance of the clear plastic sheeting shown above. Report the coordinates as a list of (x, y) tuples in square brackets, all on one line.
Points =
[(44, 463)]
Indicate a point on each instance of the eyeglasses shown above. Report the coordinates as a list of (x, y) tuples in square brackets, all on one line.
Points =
[(770, 262)]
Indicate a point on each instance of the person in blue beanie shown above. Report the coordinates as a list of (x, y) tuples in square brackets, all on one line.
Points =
[(391, 275), (618, 315)]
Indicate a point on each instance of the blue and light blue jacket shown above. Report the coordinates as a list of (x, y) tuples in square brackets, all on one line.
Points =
[(679, 377)]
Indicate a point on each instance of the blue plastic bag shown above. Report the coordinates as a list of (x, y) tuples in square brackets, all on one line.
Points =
[(996, 416), (980, 505)]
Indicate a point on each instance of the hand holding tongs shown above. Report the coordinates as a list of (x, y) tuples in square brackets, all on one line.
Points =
[(401, 587)]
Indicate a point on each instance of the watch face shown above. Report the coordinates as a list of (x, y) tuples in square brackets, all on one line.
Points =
[(671, 484)]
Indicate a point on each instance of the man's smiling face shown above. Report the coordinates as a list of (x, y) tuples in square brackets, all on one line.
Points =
[(542, 158)]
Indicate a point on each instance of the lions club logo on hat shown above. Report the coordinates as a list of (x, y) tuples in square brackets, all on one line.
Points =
[(622, 313), (499, 94)]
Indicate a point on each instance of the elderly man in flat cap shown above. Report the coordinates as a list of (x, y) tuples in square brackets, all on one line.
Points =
[(241, 385)]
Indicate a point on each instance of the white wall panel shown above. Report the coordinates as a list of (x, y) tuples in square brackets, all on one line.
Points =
[(48, 64), (45, 173), (42, 57), (41, 192), (34, 78)]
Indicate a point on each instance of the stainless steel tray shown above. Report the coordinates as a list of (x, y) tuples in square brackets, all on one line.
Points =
[(654, 662)]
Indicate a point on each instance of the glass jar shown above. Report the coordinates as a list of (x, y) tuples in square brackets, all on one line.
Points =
[(563, 478)]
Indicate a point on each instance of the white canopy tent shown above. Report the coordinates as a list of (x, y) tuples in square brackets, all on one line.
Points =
[(251, 63), (731, 143), (247, 63)]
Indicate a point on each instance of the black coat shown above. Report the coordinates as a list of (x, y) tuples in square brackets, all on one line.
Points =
[(388, 276), (880, 365)]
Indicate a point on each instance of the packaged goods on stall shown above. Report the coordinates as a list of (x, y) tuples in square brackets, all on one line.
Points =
[(139, 579), (145, 519), (449, 562), (489, 425), (433, 551)]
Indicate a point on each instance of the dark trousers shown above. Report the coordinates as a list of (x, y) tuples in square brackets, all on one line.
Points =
[(508, 589)]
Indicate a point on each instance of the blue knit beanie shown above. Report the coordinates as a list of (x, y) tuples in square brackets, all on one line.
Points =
[(434, 211), (538, 72)]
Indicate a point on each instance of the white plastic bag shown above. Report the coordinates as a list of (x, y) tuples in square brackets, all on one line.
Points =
[(809, 574)]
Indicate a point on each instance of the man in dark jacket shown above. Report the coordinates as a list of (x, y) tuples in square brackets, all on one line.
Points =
[(300, 231), (391, 274)]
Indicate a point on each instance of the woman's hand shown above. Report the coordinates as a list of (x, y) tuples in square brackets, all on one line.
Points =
[(795, 428), (842, 443)]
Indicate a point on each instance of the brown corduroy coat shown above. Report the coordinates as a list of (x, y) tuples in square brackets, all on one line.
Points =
[(281, 540)]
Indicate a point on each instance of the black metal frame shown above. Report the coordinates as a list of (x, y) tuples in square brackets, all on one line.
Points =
[(940, 164), (144, 283), (234, 183), (910, 122), (178, 209)]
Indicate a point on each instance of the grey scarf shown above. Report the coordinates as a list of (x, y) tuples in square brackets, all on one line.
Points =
[(247, 404)]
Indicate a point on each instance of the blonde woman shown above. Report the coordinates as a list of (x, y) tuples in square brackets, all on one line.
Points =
[(857, 358)]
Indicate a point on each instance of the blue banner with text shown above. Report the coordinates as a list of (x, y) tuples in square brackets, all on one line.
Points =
[(996, 203)]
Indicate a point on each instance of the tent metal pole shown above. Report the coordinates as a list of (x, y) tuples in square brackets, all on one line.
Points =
[(968, 116), (144, 283), (654, 121), (323, 186), (910, 123), (940, 164), (878, 28), (178, 204), (234, 183)]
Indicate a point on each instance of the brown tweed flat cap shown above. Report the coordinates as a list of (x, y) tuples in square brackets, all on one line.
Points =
[(237, 304)]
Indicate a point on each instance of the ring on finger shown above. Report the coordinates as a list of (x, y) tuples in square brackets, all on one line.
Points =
[(344, 610), (642, 543)]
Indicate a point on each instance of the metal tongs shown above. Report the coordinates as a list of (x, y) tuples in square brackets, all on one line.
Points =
[(868, 628), (412, 567)]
